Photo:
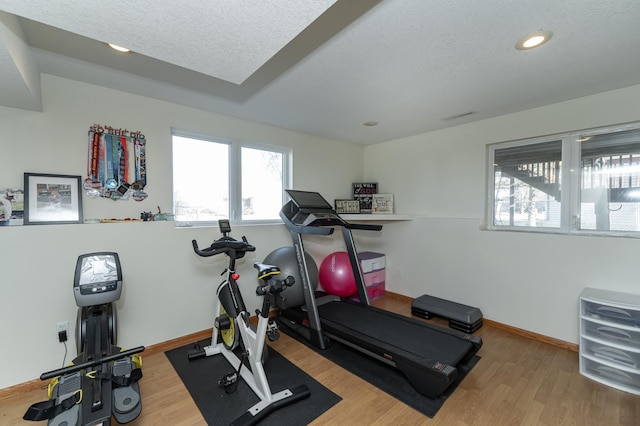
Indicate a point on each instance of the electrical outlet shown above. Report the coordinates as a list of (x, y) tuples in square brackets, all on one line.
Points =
[(62, 327)]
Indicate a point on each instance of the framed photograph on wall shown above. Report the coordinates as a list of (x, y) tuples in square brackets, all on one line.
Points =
[(52, 199), (347, 206), (11, 206)]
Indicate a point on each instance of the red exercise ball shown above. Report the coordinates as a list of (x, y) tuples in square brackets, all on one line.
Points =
[(336, 275)]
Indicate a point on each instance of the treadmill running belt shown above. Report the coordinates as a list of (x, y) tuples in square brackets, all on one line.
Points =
[(394, 331)]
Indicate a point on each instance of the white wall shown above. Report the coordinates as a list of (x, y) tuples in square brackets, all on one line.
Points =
[(530, 281), (168, 290)]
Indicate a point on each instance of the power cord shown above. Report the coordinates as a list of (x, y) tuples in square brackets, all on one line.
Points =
[(64, 359), (62, 337)]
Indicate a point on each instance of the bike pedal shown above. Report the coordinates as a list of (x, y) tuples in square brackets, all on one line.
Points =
[(273, 335), (272, 331), (230, 382), (228, 379)]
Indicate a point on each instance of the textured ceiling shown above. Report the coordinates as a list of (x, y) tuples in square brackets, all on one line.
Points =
[(222, 38), (325, 67)]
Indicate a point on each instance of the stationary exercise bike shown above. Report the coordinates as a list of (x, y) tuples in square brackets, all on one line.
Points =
[(102, 381), (233, 336)]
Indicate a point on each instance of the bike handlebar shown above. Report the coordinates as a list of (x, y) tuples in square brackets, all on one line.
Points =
[(223, 245)]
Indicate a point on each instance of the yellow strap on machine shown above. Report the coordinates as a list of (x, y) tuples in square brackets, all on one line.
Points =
[(51, 386), (137, 360), (79, 399)]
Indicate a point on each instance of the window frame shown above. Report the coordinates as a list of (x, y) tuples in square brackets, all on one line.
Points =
[(235, 174), (571, 172)]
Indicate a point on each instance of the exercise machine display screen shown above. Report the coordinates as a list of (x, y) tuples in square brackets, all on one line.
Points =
[(98, 279), (224, 225), (98, 269), (308, 200)]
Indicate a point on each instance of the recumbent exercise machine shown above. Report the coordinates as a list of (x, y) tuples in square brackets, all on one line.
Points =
[(233, 336), (102, 380)]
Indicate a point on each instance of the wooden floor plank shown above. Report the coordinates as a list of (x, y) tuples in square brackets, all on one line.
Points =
[(519, 381)]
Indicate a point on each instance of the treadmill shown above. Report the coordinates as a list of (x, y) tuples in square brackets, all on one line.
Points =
[(428, 355)]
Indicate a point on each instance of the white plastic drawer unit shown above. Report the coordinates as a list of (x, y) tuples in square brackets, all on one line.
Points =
[(612, 314), (620, 356), (610, 338), (613, 376), (610, 334)]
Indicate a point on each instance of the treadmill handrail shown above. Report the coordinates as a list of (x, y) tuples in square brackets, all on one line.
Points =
[(363, 226)]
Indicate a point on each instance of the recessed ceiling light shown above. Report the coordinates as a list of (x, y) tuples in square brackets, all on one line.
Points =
[(118, 48), (370, 123), (534, 40)]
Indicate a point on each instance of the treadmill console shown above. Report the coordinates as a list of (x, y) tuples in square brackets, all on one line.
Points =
[(311, 209), (309, 200), (322, 219), (98, 279)]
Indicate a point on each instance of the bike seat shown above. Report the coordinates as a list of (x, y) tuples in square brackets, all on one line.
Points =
[(265, 271)]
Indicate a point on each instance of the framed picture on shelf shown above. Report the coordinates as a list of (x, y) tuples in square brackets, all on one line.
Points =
[(52, 199), (348, 206), (382, 204), (362, 191)]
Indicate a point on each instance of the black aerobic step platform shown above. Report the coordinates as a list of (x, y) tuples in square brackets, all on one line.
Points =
[(461, 317)]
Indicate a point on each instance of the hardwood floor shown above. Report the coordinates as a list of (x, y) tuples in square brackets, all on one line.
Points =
[(519, 381)]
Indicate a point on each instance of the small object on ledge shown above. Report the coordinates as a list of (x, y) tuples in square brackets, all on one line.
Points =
[(113, 220), (163, 216), (159, 215), (146, 216)]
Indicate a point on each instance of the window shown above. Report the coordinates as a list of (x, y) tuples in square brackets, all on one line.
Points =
[(583, 182), (217, 179)]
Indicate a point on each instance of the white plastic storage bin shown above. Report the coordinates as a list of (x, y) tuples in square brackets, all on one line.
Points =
[(370, 261), (374, 273)]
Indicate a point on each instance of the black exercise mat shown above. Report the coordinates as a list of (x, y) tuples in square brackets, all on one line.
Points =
[(384, 376), (201, 377)]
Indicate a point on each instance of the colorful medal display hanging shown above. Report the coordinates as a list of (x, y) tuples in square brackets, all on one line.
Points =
[(115, 157)]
